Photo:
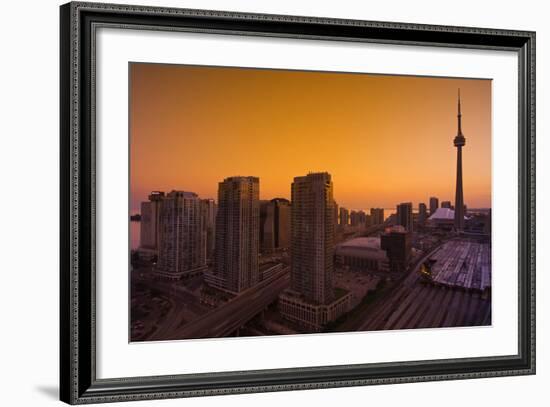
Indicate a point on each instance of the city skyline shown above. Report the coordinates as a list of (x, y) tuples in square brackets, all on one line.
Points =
[(191, 150)]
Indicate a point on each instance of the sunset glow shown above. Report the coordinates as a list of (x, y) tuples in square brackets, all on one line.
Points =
[(383, 139)]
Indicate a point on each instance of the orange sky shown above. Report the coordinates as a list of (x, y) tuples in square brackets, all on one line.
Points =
[(384, 139)]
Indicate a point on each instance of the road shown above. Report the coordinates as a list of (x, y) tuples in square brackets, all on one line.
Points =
[(230, 316)]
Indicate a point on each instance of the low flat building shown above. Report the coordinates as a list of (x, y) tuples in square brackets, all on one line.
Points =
[(464, 264), (362, 253)]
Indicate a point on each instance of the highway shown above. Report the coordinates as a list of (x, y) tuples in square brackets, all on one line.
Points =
[(230, 316)]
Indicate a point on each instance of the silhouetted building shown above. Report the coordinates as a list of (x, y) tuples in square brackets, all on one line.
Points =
[(336, 221), (344, 217), (149, 226), (209, 210), (377, 216), (312, 300), (181, 238), (396, 241), (459, 142), (446, 204), (237, 235), (434, 204), (274, 225), (358, 218), (404, 215), (422, 213)]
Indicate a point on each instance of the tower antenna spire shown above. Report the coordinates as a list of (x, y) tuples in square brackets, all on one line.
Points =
[(459, 115)]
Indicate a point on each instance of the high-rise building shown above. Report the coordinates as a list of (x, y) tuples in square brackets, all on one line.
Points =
[(335, 214), (149, 226), (446, 204), (358, 218), (459, 142), (422, 213), (404, 215), (209, 209), (267, 226), (274, 225), (344, 217), (181, 237), (396, 241), (311, 299), (312, 237), (434, 204), (377, 216), (237, 234)]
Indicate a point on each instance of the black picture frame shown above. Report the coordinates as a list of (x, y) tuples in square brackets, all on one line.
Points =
[(78, 382)]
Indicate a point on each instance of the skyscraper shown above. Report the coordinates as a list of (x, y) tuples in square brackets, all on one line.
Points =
[(312, 237), (434, 204), (237, 233), (311, 300), (149, 226), (209, 209), (274, 224), (459, 142), (377, 216), (344, 217), (335, 209), (181, 238), (405, 215), (422, 213)]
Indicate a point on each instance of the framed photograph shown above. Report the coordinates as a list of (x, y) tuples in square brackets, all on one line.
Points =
[(255, 203)]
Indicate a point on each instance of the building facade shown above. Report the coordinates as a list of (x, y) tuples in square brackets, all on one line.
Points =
[(209, 210), (181, 238), (274, 225), (434, 204), (377, 216), (149, 224), (237, 234), (396, 241), (404, 215), (422, 213), (362, 253), (344, 217), (312, 237), (312, 300)]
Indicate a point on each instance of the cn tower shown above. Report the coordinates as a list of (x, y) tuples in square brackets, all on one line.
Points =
[(459, 142)]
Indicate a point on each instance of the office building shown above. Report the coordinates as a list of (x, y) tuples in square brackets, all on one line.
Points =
[(446, 204), (396, 241)]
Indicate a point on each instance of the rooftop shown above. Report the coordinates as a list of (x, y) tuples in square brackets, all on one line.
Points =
[(362, 242)]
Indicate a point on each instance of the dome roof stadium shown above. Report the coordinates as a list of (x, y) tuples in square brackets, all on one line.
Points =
[(443, 214)]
